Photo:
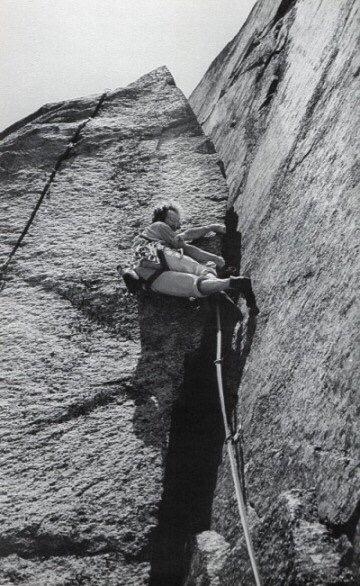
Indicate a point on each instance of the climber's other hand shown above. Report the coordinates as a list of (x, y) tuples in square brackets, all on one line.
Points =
[(180, 242)]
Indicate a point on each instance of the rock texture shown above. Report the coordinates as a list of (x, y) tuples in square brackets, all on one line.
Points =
[(113, 468), (89, 375), (210, 553), (280, 104)]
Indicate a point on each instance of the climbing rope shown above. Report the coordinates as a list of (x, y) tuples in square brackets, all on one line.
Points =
[(230, 443)]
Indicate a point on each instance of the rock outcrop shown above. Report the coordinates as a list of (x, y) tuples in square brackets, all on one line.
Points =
[(89, 375), (113, 462), (280, 104)]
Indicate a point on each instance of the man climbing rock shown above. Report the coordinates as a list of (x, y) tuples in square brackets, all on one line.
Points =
[(167, 263)]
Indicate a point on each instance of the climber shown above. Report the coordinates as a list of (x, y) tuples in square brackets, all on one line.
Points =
[(166, 263)]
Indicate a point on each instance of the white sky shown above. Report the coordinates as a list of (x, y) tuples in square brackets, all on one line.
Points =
[(53, 50)]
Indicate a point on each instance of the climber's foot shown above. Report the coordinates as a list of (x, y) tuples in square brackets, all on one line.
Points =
[(243, 285), (131, 280), (227, 271)]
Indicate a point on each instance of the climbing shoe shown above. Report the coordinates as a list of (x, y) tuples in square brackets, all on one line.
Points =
[(227, 271), (243, 285), (131, 280)]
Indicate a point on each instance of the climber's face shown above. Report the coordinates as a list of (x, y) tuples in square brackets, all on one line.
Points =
[(173, 219)]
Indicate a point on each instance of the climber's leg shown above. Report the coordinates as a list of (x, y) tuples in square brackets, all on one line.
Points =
[(211, 286), (188, 285), (202, 256), (184, 264)]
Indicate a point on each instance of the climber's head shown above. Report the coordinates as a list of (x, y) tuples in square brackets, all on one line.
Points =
[(168, 213)]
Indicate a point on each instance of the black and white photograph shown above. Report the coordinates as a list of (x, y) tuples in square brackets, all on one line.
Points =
[(179, 276)]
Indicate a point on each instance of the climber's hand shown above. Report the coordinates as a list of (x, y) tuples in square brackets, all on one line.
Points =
[(180, 242), (218, 228)]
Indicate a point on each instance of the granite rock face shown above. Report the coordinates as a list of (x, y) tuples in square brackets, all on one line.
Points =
[(90, 374), (113, 467), (280, 103)]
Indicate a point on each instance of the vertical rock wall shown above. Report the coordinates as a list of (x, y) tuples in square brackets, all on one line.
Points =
[(280, 103), (88, 376)]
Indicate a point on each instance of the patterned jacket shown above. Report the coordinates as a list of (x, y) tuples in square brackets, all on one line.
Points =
[(156, 237)]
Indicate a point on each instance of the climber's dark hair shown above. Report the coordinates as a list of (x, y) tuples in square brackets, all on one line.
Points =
[(160, 212)]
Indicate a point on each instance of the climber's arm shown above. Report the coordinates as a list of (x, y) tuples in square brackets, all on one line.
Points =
[(194, 233), (166, 234), (203, 256)]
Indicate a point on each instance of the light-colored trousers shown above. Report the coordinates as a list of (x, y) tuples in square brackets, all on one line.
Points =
[(184, 276)]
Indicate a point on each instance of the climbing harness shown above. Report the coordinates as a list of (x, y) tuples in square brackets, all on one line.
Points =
[(135, 283), (159, 271), (230, 441)]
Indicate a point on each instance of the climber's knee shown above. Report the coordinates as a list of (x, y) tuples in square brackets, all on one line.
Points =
[(200, 281), (178, 262)]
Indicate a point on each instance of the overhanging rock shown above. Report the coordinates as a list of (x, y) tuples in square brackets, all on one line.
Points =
[(89, 377), (279, 103)]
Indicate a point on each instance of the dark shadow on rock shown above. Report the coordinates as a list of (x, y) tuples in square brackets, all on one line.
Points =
[(237, 347), (194, 454), (231, 244), (234, 364), (195, 448), (236, 354)]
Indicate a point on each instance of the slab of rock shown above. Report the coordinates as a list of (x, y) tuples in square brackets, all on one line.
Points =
[(279, 103), (89, 376)]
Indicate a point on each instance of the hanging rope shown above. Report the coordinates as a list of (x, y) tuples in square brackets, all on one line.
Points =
[(230, 443)]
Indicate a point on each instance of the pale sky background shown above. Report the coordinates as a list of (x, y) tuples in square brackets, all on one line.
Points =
[(52, 50)]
